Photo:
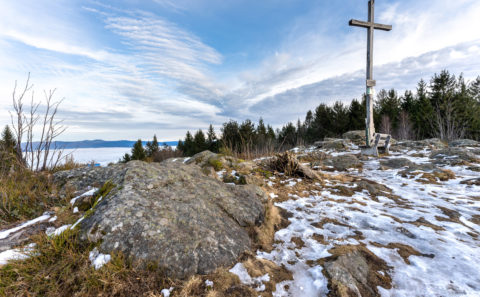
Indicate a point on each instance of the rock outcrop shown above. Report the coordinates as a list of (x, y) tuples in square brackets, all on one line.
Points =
[(344, 162), (355, 271), (171, 214), (356, 136), (453, 156), (463, 143)]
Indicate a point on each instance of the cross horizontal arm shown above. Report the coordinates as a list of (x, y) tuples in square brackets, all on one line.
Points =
[(367, 25)]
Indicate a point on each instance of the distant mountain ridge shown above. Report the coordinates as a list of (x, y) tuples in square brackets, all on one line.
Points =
[(98, 143)]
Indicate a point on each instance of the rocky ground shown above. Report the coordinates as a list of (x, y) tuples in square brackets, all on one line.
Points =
[(406, 224)]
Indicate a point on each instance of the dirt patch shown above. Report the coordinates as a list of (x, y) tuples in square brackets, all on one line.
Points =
[(324, 221), (433, 177), (298, 242), (405, 251), (475, 219), (319, 238), (422, 222)]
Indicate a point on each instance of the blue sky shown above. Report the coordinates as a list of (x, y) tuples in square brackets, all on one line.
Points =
[(131, 68)]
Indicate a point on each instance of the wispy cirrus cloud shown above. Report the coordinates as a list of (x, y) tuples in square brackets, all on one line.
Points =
[(136, 67)]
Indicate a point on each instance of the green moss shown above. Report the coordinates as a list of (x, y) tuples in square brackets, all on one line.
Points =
[(263, 172), (107, 187), (216, 164)]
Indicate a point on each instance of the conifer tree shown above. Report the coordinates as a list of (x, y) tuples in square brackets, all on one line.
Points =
[(188, 145), (212, 139), (152, 147), (8, 141), (356, 116), (138, 152), (199, 142)]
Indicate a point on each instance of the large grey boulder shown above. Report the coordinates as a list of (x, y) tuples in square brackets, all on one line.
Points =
[(80, 179), (356, 136), (463, 142), (344, 162), (432, 143), (396, 163), (173, 215), (356, 271), (453, 156), (333, 144)]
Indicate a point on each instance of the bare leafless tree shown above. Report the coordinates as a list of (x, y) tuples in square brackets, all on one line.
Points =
[(44, 153), (385, 125), (405, 130), (18, 119), (445, 124)]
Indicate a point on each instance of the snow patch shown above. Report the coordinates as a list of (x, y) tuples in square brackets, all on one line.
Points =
[(245, 278), (16, 254), (88, 193), (166, 292), (6, 233), (98, 259)]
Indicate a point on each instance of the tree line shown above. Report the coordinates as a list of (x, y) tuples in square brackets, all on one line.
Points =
[(447, 107)]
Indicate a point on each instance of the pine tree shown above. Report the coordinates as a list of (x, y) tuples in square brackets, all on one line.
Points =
[(188, 145), (270, 133), (8, 141), (442, 97), (356, 116), (474, 90), (231, 139), (199, 142), (152, 147), (474, 93), (288, 135), (388, 104), (340, 119), (212, 140), (181, 147), (126, 158), (138, 152)]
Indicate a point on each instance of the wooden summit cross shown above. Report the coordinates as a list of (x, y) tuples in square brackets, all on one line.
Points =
[(373, 140)]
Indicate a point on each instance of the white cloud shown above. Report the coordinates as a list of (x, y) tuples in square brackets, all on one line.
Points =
[(142, 72)]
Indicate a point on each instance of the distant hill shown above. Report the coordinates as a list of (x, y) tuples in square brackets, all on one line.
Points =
[(98, 143)]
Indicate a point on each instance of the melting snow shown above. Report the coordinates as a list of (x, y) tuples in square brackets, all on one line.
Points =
[(15, 254), (6, 233), (209, 283), (98, 259), (245, 278), (166, 292), (451, 253), (88, 193)]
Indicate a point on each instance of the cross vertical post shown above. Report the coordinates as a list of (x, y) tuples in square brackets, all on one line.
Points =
[(371, 26)]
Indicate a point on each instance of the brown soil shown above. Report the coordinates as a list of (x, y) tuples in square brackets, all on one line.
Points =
[(326, 221), (405, 251)]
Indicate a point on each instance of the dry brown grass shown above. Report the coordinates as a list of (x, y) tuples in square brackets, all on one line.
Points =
[(263, 235), (405, 251), (25, 195), (68, 164)]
